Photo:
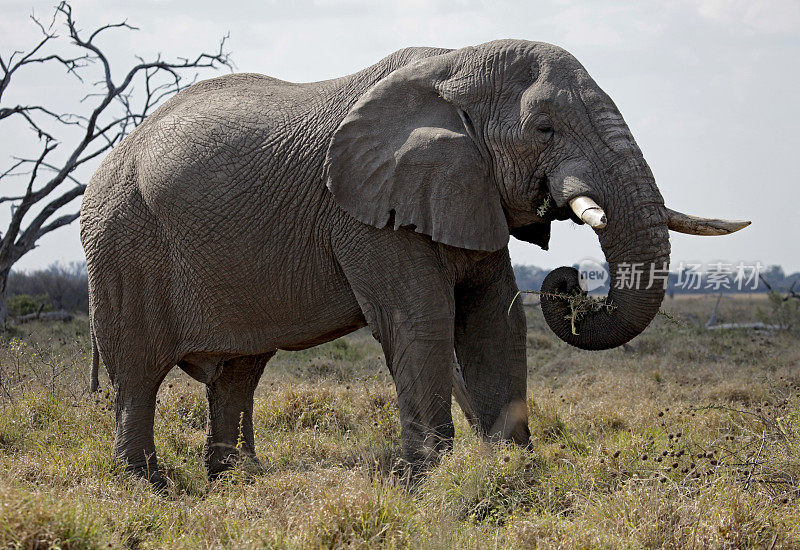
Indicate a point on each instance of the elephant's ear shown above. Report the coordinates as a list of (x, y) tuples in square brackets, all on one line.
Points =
[(404, 155), (536, 233)]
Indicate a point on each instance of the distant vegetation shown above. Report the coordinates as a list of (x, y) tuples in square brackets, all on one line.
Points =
[(64, 286), (57, 287), (530, 277)]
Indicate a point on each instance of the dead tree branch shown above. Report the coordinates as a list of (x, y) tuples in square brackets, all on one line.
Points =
[(712, 320), (790, 294), (113, 109)]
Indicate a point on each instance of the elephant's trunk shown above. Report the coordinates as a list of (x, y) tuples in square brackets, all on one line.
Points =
[(636, 245)]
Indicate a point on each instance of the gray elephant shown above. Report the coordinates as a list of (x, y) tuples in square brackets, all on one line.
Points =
[(249, 214)]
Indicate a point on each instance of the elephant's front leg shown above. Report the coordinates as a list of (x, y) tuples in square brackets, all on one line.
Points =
[(490, 346), (406, 295), (419, 353)]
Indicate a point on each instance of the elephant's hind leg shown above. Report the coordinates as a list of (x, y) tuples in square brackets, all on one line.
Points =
[(230, 413), (135, 415)]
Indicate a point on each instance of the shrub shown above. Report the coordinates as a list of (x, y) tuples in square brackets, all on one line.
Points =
[(24, 304)]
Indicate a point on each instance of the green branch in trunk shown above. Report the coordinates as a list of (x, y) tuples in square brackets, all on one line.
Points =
[(581, 304)]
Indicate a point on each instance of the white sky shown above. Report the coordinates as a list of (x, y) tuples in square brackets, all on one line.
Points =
[(708, 87)]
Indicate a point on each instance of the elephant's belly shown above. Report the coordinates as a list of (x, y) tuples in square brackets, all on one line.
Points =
[(281, 304), (330, 316), (318, 338)]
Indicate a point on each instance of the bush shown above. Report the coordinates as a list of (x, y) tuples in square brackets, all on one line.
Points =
[(23, 304), (64, 286)]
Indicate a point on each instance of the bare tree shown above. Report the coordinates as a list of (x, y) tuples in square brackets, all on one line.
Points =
[(110, 109)]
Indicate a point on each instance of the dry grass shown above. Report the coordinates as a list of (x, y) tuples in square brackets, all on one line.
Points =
[(688, 438)]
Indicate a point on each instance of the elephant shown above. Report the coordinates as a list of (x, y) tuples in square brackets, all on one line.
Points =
[(248, 215)]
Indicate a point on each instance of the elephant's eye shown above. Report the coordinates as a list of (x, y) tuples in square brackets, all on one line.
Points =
[(539, 127)]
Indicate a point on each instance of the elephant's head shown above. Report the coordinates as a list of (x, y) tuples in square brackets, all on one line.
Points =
[(473, 144)]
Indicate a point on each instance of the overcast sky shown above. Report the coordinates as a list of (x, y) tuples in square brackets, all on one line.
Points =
[(708, 87)]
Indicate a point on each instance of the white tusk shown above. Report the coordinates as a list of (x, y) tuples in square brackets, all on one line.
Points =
[(588, 211), (692, 225)]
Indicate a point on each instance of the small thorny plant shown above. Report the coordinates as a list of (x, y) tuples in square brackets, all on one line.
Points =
[(581, 303), (542, 210)]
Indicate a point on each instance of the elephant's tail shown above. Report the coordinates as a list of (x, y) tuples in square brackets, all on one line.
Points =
[(94, 380)]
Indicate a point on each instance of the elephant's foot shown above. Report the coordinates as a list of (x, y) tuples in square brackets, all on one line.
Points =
[(218, 465), (157, 481), (411, 475), (415, 466)]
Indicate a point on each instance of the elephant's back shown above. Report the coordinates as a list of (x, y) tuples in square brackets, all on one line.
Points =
[(231, 195), (209, 132), (216, 153), (225, 149), (240, 144), (225, 94)]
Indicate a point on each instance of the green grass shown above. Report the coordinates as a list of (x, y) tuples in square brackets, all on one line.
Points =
[(687, 438)]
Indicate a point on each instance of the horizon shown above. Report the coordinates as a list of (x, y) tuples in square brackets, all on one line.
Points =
[(81, 264)]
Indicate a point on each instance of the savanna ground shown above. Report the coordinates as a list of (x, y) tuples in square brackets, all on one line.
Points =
[(688, 438)]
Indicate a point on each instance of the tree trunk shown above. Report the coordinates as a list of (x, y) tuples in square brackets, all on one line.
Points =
[(4, 272)]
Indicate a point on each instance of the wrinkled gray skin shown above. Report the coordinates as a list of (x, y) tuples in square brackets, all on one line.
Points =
[(249, 214)]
